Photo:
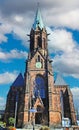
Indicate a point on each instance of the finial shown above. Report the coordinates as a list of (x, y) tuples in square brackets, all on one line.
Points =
[(38, 19), (38, 5)]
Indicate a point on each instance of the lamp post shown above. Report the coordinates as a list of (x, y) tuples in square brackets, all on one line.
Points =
[(16, 106), (33, 110)]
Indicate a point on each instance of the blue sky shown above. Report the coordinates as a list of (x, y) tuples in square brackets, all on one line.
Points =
[(61, 19)]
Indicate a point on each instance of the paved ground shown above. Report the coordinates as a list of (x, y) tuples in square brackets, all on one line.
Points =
[(53, 128)]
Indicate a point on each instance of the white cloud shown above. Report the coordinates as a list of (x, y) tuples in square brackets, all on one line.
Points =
[(66, 60), (4, 29), (2, 103), (64, 19), (7, 77), (18, 16), (13, 54), (60, 40), (3, 38), (67, 63), (75, 92)]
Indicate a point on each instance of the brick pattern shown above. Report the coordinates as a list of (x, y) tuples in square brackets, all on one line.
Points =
[(11, 105)]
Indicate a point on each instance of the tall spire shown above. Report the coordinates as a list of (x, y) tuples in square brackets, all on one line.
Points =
[(38, 19)]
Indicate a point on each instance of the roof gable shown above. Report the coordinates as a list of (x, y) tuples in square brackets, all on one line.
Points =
[(19, 81), (37, 52), (60, 81), (38, 102)]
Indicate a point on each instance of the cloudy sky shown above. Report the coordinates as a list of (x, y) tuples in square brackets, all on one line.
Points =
[(61, 18)]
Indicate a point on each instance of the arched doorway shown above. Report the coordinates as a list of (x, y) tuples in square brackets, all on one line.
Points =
[(39, 115)]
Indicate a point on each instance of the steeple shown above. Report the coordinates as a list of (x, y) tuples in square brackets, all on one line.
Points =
[(38, 33), (38, 22)]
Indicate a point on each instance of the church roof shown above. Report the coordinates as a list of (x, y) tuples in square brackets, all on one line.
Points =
[(38, 20), (59, 80), (19, 81)]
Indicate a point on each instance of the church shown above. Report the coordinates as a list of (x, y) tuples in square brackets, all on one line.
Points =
[(36, 96)]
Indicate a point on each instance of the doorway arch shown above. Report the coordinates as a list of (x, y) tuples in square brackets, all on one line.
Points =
[(39, 114)]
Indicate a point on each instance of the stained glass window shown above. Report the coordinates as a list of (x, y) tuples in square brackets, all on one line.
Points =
[(39, 88)]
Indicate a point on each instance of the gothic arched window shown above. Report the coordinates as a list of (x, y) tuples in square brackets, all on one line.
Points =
[(39, 88), (38, 58), (42, 63), (44, 42), (39, 42)]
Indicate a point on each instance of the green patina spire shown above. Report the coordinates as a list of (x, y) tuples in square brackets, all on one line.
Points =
[(38, 20)]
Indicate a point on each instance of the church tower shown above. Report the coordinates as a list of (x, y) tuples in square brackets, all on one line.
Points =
[(42, 95), (38, 75)]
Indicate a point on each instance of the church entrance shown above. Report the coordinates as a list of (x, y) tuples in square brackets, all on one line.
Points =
[(38, 118), (39, 115), (40, 96)]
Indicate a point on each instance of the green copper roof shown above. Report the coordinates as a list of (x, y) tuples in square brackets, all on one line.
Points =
[(60, 80), (38, 20)]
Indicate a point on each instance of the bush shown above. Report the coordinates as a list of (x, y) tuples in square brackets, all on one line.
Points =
[(44, 128), (11, 121), (2, 124)]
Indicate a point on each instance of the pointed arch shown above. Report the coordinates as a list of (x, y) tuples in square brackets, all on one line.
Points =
[(40, 88), (39, 42)]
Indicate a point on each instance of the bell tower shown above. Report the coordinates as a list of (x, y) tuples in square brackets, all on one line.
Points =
[(38, 76)]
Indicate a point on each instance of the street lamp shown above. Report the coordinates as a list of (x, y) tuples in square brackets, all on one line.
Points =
[(16, 107), (33, 110)]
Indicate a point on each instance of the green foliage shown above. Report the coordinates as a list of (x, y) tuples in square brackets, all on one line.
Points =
[(11, 121), (2, 124), (44, 128)]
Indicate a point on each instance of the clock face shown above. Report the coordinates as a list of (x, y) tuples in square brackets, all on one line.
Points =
[(38, 65)]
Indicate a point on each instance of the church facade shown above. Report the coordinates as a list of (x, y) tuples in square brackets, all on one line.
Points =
[(36, 97)]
